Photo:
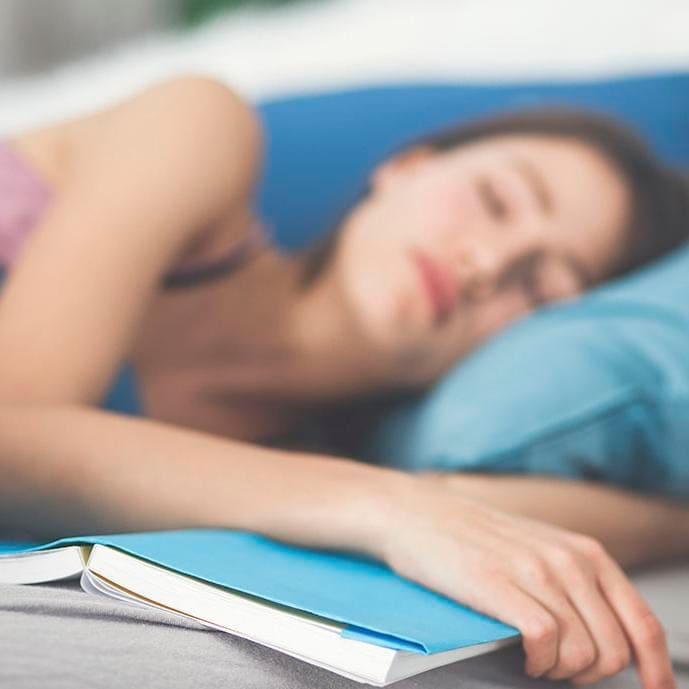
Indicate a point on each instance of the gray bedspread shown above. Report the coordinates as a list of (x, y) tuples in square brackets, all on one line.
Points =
[(56, 636)]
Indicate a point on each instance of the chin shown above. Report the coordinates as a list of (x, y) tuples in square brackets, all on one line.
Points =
[(404, 341), (389, 320), (388, 310)]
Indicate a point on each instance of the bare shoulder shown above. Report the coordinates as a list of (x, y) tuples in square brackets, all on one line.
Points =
[(200, 103), (191, 134), (181, 103), (144, 178)]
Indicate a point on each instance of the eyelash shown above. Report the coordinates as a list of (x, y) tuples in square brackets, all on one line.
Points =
[(533, 292), (531, 284), (491, 199)]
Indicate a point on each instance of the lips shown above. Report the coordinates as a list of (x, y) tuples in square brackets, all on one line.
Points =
[(439, 283)]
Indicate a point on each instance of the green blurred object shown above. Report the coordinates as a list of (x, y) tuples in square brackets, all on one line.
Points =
[(197, 11)]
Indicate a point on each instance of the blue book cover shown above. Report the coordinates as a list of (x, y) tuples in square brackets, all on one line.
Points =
[(376, 605)]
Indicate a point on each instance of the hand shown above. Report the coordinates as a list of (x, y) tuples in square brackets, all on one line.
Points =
[(579, 616)]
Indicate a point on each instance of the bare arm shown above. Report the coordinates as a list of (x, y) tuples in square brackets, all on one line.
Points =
[(635, 528), (71, 468), (101, 472), (142, 180)]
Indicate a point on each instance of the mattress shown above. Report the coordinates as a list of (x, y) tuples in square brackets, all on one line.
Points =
[(57, 637)]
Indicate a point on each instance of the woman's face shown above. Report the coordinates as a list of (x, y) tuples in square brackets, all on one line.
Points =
[(451, 246)]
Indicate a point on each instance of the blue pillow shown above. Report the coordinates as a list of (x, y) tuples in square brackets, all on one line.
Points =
[(597, 389)]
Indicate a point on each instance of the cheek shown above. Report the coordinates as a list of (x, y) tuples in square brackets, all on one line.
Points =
[(428, 210), (444, 214)]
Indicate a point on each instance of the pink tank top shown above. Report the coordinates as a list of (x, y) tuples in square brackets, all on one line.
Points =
[(24, 197)]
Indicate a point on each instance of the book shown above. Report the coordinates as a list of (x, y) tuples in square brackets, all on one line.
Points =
[(346, 613)]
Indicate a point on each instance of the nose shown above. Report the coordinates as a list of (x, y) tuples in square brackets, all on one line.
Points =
[(482, 263)]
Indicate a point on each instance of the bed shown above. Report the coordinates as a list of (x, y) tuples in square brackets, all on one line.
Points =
[(54, 637)]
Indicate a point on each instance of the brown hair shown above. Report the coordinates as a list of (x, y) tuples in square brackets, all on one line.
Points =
[(659, 216)]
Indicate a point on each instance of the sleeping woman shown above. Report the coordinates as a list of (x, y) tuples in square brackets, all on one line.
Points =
[(131, 234)]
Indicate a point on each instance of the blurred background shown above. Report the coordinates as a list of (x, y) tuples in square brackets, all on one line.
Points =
[(38, 34), (61, 57)]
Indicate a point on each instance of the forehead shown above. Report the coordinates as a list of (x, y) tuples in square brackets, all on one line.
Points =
[(587, 197)]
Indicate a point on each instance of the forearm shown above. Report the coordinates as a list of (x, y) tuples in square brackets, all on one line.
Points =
[(72, 469), (635, 528), (97, 470)]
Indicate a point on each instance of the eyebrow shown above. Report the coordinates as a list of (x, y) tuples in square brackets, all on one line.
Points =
[(535, 180)]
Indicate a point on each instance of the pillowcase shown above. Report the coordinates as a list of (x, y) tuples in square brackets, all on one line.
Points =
[(596, 389)]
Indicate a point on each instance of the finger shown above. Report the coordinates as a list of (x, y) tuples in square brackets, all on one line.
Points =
[(614, 652), (571, 561), (578, 583), (532, 574), (642, 627), (577, 650), (539, 630)]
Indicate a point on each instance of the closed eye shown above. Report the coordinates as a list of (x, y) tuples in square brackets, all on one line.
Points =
[(491, 200), (547, 281), (533, 289), (526, 274)]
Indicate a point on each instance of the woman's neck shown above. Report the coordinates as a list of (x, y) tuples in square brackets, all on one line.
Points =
[(286, 344)]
